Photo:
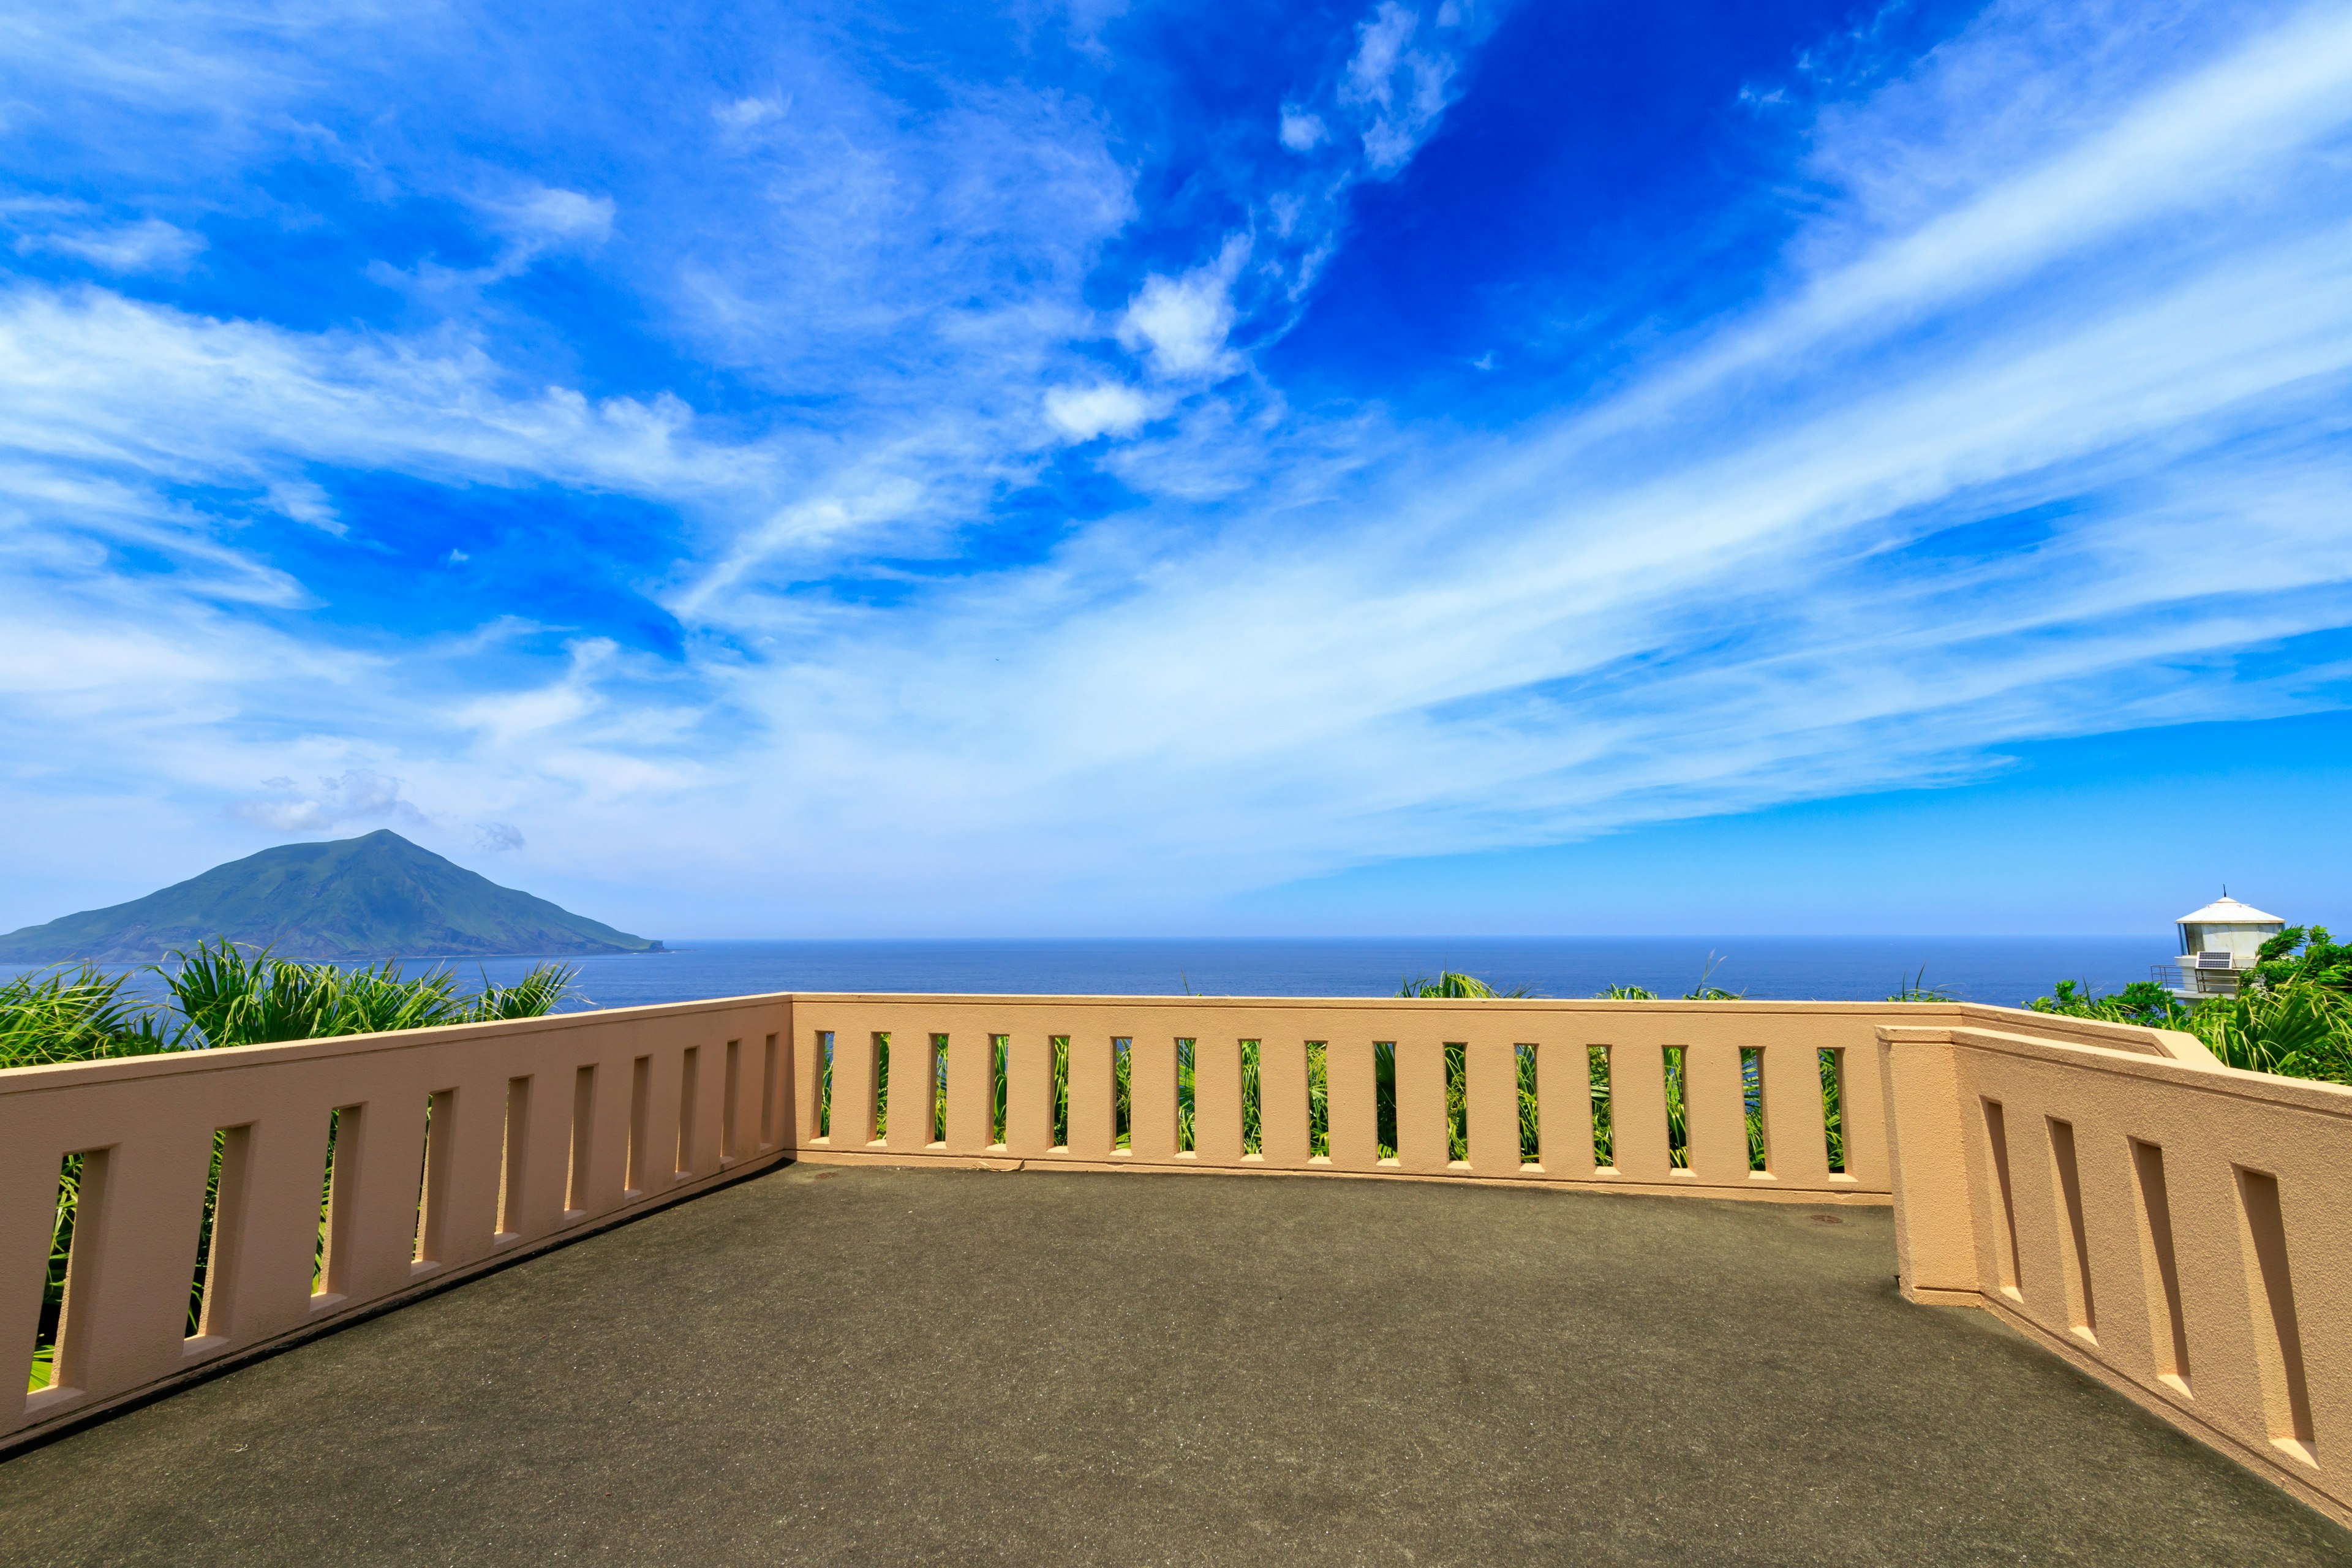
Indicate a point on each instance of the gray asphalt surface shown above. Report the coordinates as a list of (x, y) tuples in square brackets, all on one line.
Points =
[(848, 1366)]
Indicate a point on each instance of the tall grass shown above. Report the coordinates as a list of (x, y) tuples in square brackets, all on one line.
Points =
[(1059, 1137), (1833, 1107), (1915, 988), (2294, 1028), (2297, 1031), (1454, 984), (1122, 1098), (76, 1016), (1187, 1096), (938, 1086), (230, 996), (53, 1290)]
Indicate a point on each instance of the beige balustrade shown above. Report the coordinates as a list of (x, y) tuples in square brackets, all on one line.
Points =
[(2176, 1228), (956, 1048), (2172, 1227), (453, 1149)]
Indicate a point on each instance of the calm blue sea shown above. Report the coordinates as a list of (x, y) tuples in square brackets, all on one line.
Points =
[(2000, 969), (2006, 970)]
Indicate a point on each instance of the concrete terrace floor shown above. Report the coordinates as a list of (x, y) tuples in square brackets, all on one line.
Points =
[(843, 1366)]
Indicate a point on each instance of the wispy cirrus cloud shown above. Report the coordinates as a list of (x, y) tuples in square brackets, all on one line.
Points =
[(148, 245), (1398, 82)]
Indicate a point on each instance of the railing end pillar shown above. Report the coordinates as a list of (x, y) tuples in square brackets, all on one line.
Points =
[(1935, 1219)]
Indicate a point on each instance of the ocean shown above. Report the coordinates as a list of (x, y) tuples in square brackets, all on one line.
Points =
[(2004, 970)]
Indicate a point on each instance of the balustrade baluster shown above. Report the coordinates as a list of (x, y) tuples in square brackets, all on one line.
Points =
[(1352, 1089), (1217, 1095), (1716, 1112), (1092, 1095), (1285, 1142), (1637, 1104), (1492, 1090), (1029, 1093), (913, 1096), (1424, 1145)]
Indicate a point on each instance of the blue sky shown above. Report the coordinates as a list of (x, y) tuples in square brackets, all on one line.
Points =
[(1101, 469)]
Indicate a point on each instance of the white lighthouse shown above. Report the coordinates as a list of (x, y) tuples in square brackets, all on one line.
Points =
[(2217, 944)]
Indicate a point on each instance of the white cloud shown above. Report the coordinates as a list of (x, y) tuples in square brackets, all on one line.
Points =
[(304, 501), (2218, 134), (358, 794), (46, 657), (1183, 323), (1103, 409), (1380, 41), (513, 716), (151, 245), (530, 223), (88, 376), (1402, 90), (542, 216), (1376, 111), (498, 837), (750, 113)]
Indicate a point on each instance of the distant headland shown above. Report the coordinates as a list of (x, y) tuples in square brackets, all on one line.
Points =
[(377, 895)]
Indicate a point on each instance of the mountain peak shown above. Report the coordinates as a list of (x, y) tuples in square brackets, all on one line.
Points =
[(375, 896)]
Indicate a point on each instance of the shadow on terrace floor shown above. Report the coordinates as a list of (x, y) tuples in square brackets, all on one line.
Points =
[(850, 1366)]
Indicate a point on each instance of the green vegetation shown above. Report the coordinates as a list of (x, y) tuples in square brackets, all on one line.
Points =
[(74, 1016), (2304, 955), (350, 898), (1917, 989), (1704, 991), (229, 998), (2292, 1017), (1451, 983), (223, 995)]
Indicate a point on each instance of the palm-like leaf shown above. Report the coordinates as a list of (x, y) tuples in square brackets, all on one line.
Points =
[(535, 995), (73, 1015)]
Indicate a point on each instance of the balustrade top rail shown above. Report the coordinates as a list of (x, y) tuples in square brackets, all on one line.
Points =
[(219, 1201)]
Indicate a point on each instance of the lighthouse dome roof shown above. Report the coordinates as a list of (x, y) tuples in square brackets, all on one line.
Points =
[(2228, 911)]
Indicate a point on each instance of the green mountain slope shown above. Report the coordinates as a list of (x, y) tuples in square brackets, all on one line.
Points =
[(373, 896)]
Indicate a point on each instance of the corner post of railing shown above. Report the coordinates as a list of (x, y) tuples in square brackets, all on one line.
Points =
[(795, 1079), (2186, 1049), (1927, 1146)]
